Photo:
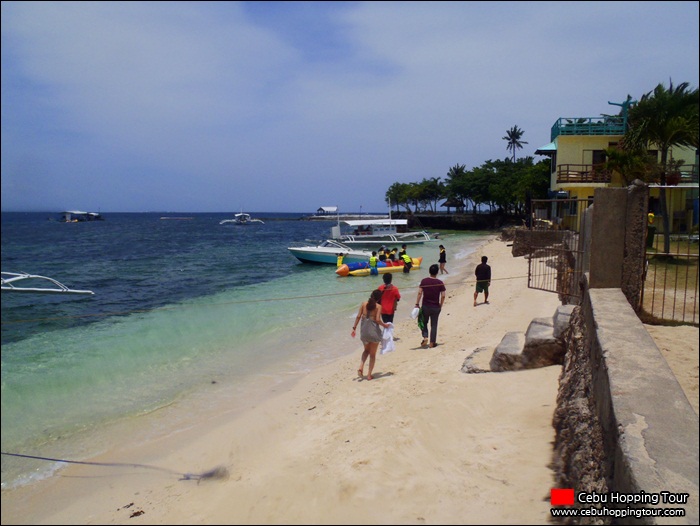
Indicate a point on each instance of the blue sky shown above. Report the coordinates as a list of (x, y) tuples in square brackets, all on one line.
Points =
[(289, 106)]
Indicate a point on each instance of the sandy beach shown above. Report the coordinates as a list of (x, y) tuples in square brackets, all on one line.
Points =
[(422, 443)]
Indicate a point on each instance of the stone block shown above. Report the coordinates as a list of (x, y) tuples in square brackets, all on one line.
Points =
[(562, 319), (507, 356)]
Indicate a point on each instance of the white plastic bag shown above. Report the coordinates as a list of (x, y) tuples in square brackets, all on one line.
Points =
[(414, 312), (388, 340)]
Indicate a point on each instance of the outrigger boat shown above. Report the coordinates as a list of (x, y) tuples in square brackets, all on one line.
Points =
[(9, 279), (377, 232), (241, 219)]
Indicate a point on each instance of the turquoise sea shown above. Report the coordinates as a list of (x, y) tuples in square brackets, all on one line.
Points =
[(186, 314)]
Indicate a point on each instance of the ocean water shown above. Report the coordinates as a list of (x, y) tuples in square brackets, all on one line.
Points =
[(186, 313)]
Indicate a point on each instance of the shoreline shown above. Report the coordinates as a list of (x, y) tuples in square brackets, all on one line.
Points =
[(421, 443)]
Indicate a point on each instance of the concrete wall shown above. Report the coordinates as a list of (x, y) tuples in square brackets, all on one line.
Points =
[(623, 423), (614, 240), (608, 237)]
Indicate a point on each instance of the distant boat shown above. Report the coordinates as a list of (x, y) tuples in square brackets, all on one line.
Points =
[(241, 219), (174, 218), (327, 253), (77, 216)]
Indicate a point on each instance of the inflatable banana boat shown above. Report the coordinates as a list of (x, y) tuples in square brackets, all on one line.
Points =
[(362, 268)]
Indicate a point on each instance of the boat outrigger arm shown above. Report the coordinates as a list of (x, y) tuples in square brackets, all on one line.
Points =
[(10, 278)]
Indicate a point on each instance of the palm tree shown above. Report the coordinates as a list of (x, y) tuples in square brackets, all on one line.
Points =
[(665, 118), (630, 164), (513, 137)]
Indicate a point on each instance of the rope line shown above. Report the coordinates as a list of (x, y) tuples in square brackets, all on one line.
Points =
[(242, 302), (218, 472)]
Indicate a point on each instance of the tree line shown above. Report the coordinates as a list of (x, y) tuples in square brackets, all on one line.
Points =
[(503, 185), (500, 185)]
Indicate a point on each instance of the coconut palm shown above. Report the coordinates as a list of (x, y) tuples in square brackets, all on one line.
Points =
[(513, 137), (665, 118)]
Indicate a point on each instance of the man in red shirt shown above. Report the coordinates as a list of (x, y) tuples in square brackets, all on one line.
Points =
[(390, 297)]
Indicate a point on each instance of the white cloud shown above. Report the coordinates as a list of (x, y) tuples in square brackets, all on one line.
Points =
[(199, 106)]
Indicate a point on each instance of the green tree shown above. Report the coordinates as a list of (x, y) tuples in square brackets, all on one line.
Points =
[(431, 191), (480, 185), (631, 164), (513, 137), (665, 118), (396, 195), (532, 181), (456, 186)]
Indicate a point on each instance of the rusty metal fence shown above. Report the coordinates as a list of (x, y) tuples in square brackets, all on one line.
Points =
[(555, 260), (670, 281)]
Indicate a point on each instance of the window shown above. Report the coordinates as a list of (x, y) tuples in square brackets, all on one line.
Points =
[(598, 157)]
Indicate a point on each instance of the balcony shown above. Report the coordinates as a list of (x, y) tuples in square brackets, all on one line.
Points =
[(582, 173), (595, 173), (685, 174), (688, 174), (588, 126)]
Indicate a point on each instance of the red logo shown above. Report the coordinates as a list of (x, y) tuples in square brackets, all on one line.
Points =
[(561, 497)]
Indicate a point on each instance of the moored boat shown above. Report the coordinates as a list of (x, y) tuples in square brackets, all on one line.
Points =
[(327, 253), (376, 232)]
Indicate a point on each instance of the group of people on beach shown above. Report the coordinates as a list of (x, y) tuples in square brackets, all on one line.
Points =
[(377, 313), (384, 254)]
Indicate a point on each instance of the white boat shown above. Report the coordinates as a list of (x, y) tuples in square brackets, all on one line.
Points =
[(376, 232), (241, 219), (78, 216), (327, 253), (11, 283)]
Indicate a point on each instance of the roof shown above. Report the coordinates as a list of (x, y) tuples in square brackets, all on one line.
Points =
[(547, 149), (377, 222), (328, 209)]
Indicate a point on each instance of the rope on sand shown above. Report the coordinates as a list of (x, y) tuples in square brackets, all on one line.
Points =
[(219, 472)]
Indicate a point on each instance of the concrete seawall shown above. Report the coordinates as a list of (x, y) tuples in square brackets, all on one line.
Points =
[(623, 422)]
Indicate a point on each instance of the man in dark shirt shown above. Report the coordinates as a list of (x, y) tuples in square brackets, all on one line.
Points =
[(483, 279), (432, 290)]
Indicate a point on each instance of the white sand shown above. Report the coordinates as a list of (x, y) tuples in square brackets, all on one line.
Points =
[(679, 345), (421, 443)]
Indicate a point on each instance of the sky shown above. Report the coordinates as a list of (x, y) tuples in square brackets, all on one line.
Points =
[(290, 106)]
